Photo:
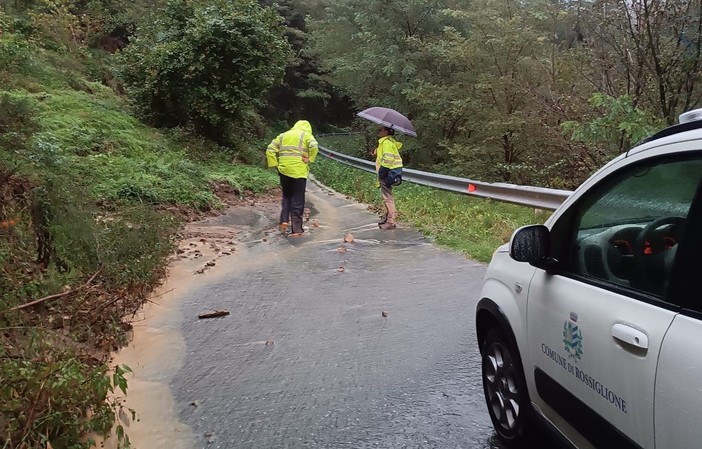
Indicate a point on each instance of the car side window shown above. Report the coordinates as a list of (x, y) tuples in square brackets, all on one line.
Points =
[(627, 229)]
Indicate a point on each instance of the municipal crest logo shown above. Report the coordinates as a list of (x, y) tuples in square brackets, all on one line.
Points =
[(573, 339)]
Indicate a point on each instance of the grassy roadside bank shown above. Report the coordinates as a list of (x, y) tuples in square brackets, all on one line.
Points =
[(91, 201), (472, 226)]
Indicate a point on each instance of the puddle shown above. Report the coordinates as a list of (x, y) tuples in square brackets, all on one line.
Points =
[(157, 350), (211, 249)]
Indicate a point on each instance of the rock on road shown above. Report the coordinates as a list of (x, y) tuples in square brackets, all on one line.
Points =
[(328, 344)]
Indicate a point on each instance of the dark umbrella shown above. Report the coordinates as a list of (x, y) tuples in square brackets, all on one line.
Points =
[(389, 118)]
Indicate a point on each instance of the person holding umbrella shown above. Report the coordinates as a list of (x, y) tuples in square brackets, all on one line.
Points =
[(387, 155), (292, 152)]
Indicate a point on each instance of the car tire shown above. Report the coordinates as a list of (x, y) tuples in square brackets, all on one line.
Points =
[(504, 388)]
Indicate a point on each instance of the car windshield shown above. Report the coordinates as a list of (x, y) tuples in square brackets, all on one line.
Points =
[(646, 195)]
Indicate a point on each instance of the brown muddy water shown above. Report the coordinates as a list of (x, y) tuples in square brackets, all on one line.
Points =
[(156, 352)]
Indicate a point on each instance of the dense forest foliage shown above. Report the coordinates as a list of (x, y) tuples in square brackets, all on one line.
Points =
[(118, 118), (533, 92)]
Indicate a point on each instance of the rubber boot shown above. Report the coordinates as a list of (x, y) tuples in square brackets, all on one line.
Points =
[(297, 225)]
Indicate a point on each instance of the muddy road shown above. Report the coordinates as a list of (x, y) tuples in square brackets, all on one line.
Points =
[(368, 343)]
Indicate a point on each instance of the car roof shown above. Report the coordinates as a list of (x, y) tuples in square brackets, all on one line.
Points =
[(672, 133)]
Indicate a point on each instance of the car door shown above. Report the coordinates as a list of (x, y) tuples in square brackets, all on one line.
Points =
[(596, 322), (678, 395)]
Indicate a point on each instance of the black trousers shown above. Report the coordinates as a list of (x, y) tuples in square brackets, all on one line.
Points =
[(293, 204)]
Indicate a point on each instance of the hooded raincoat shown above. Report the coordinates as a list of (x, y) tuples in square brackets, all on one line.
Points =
[(388, 153), (293, 151), (387, 157)]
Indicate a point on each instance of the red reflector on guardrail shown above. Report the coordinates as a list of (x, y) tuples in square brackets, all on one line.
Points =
[(471, 188)]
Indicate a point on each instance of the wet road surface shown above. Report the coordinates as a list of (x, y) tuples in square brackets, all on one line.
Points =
[(306, 358)]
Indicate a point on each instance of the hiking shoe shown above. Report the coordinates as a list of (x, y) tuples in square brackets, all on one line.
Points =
[(388, 226), (284, 228)]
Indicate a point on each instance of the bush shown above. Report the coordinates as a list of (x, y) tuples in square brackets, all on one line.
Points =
[(206, 65), (17, 124), (46, 392), (14, 54)]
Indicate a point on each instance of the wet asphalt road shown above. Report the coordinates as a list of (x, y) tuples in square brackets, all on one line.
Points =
[(307, 360)]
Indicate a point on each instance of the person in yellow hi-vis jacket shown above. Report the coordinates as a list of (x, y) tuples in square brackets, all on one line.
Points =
[(292, 152), (387, 157)]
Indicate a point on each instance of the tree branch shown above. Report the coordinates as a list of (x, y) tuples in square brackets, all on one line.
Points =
[(54, 296)]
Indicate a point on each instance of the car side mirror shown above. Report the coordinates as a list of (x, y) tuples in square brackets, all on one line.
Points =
[(530, 244)]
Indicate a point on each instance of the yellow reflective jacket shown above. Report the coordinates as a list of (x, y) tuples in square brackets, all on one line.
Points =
[(293, 150), (388, 153)]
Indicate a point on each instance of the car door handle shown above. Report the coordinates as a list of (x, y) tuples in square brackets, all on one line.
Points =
[(630, 336)]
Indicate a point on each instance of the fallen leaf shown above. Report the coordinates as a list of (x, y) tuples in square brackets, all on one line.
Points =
[(384, 313), (269, 342), (341, 249), (213, 314), (342, 269), (348, 238)]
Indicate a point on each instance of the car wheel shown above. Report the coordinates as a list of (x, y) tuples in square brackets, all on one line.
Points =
[(504, 388)]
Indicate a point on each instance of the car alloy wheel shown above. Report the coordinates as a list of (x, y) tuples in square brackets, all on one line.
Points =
[(504, 388)]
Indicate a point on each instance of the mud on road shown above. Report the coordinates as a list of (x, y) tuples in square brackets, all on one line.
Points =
[(156, 352)]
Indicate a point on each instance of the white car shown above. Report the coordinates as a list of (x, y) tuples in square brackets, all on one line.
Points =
[(592, 323)]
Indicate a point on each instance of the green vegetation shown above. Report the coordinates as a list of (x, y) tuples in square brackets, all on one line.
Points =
[(473, 226), (119, 116), (534, 92), (208, 65), (86, 198)]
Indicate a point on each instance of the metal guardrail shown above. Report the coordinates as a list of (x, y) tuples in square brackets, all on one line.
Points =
[(538, 197), (346, 133)]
